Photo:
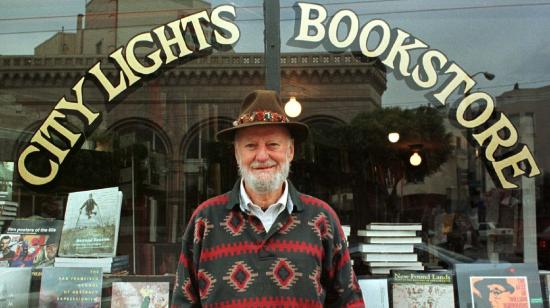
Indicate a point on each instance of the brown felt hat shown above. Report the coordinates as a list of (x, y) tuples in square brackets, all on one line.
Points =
[(263, 107)]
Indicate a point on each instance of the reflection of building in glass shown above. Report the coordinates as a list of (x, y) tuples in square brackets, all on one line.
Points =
[(162, 133), (110, 24)]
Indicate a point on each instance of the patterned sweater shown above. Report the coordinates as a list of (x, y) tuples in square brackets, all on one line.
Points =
[(228, 260)]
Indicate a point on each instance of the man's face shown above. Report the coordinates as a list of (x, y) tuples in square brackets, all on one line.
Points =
[(4, 244), (499, 297), (51, 250), (264, 154)]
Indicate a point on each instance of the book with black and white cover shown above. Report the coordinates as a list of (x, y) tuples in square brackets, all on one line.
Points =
[(48, 231), (390, 257), (395, 226), (15, 284), (91, 225), (375, 292), (394, 264), (517, 285), (387, 233), (364, 248), (70, 287), (422, 289), (140, 294)]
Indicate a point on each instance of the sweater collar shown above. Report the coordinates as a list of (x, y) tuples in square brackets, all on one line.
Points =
[(234, 196)]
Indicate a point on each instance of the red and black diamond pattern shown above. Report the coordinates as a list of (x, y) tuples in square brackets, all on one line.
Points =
[(202, 227), (290, 224), (188, 291), (234, 223), (321, 226), (256, 224), (206, 283), (284, 273), (316, 279), (240, 276)]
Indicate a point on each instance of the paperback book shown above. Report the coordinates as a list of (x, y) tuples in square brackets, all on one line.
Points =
[(15, 286), (70, 287), (108, 265), (91, 225), (498, 285), (46, 232), (395, 226), (140, 294), (422, 289)]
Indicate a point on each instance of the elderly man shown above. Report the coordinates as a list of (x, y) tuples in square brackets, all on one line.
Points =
[(264, 244)]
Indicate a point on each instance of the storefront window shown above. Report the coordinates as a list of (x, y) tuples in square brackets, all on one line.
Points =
[(130, 94)]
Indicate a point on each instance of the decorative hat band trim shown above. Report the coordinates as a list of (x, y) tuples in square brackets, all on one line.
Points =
[(261, 116)]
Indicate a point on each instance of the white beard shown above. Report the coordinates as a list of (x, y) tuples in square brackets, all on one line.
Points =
[(264, 182)]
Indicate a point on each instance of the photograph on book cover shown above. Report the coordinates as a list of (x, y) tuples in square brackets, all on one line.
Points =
[(499, 292), (498, 285), (140, 294)]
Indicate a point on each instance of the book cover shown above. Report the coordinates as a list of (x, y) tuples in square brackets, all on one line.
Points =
[(393, 264), (70, 287), (498, 285), (386, 233), (395, 226), (6, 180), (375, 292), (422, 289), (15, 286), (50, 229), (91, 223), (140, 294), (17, 250)]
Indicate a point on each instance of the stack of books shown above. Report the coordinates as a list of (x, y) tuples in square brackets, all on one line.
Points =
[(117, 264), (389, 246), (8, 211)]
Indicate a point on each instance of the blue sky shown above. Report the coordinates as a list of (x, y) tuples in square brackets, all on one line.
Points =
[(507, 40)]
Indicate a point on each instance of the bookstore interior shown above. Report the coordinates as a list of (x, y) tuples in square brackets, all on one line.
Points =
[(426, 137)]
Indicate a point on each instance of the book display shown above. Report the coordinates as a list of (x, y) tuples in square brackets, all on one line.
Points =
[(44, 232), (422, 289), (498, 285), (70, 287), (389, 246), (14, 287)]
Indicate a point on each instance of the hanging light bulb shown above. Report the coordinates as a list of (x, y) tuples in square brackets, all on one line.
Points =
[(293, 107), (393, 137), (415, 159)]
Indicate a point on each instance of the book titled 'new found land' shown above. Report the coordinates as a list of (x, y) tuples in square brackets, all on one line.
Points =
[(91, 223), (422, 289)]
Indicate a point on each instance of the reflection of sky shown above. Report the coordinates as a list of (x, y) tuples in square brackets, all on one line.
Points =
[(510, 42)]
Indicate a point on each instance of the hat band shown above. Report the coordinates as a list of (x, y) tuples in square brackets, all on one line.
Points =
[(261, 116)]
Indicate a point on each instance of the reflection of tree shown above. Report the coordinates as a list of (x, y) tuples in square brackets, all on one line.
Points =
[(377, 163)]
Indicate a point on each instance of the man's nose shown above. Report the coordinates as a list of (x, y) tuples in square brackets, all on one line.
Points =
[(262, 153)]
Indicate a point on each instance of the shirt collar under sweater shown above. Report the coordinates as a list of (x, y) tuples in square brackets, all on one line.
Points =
[(284, 199), (293, 196)]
